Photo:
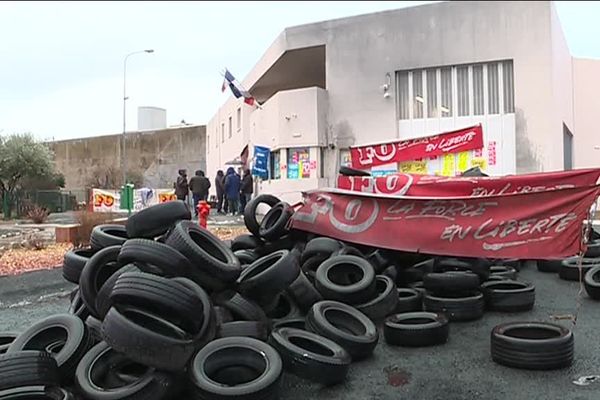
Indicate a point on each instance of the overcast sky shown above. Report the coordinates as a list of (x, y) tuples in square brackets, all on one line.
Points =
[(61, 63)]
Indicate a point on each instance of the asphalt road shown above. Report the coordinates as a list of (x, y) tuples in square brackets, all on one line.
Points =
[(459, 370)]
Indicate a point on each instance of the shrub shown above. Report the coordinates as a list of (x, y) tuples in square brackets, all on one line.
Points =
[(37, 214), (87, 221), (34, 241)]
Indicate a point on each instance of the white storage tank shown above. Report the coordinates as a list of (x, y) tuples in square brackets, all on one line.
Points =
[(151, 118)]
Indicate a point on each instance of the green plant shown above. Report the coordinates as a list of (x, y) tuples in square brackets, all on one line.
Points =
[(37, 214)]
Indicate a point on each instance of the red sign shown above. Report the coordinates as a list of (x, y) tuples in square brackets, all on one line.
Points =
[(439, 186), (451, 142), (535, 225)]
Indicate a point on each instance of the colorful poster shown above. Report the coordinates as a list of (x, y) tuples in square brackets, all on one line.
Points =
[(479, 162), (448, 163), (413, 167), (463, 161), (456, 141), (298, 163)]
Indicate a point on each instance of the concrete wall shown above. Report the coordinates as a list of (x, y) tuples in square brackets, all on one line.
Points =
[(155, 154), (586, 134)]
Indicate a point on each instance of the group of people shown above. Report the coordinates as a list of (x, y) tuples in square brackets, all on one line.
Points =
[(233, 191)]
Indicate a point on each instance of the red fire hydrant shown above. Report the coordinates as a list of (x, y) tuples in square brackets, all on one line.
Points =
[(203, 209)]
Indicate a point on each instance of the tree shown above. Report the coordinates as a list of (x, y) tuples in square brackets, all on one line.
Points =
[(22, 157)]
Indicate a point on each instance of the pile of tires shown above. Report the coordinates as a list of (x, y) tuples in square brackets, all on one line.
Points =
[(164, 309)]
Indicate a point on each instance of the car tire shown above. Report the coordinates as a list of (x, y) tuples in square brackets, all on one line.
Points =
[(77, 306), (97, 270), (503, 271), (347, 171), (467, 307), (385, 301), (107, 235), (478, 266), (73, 263), (236, 368), (268, 276), (155, 257), (549, 265), (591, 282), (103, 303), (532, 345), (245, 257), (165, 346), (569, 268), (246, 242), (283, 307), (508, 295), (296, 323), (203, 248), (253, 329), (154, 221), (64, 336), (241, 307), (345, 325), (311, 356), (28, 368), (94, 327), (415, 273), (275, 223), (409, 300), (346, 289), (450, 282), (303, 292), (250, 211), (321, 246), (101, 360), (6, 338), (416, 329), (593, 249), (36, 392), (164, 297)]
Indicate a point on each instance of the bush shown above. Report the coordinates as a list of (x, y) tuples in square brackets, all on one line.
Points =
[(37, 214), (87, 221)]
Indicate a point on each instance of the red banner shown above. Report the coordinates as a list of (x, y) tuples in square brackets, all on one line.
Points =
[(535, 225), (450, 142), (437, 186)]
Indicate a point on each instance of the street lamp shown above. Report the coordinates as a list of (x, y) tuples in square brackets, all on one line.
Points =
[(123, 141)]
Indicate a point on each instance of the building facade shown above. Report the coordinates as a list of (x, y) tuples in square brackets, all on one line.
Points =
[(410, 73)]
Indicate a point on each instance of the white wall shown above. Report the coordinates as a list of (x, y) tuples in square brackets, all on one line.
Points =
[(586, 134)]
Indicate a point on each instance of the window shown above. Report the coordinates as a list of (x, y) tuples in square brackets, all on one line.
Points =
[(274, 165), (493, 98), (446, 88), (418, 99), (239, 119), (298, 163), (222, 132), (462, 84), (478, 97), (403, 95), (509, 92), (230, 127), (432, 104)]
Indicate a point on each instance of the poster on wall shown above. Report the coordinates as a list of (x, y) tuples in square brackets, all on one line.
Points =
[(104, 200), (261, 162), (298, 163)]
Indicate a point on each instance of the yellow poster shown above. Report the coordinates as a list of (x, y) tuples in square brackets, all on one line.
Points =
[(463, 161), (413, 167), (479, 162), (448, 165)]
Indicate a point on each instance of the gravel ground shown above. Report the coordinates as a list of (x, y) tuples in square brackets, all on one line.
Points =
[(459, 370)]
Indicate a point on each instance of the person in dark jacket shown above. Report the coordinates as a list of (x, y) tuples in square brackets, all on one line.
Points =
[(199, 185), (220, 185), (246, 189), (232, 190), (181, 185)]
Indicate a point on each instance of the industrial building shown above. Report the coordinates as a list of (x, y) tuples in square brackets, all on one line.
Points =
[(409, 73)]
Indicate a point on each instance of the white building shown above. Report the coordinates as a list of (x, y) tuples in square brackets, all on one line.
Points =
[(415, 72)]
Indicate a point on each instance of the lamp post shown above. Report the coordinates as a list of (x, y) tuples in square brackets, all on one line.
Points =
[(123, 141)]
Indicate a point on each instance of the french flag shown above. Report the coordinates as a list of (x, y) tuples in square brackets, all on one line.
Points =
[(236, 88)]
